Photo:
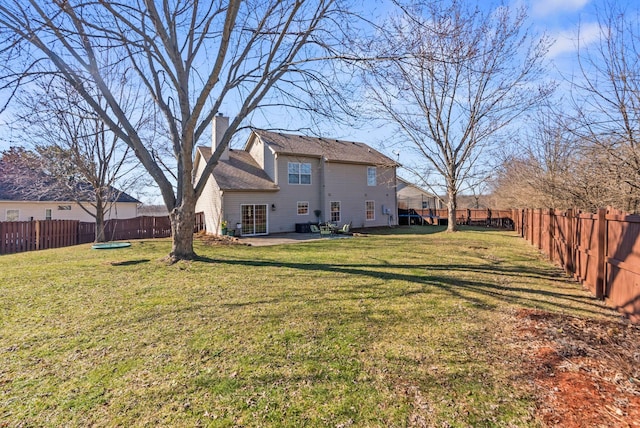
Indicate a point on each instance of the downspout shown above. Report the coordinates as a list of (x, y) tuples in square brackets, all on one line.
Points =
[(395, 191), (323, 188)]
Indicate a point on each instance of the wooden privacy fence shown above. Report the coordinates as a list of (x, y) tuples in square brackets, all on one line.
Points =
[(471, 217), (19, 236), (601, 250)]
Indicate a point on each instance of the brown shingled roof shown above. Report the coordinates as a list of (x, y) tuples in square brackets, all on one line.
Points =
[(240, 172), (331, 150)]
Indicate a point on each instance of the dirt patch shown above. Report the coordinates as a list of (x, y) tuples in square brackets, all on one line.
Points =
[(219, 239), (585, 372)]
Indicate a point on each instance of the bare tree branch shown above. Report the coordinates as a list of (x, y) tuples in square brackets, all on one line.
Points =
[(454, 79), (190, 57)]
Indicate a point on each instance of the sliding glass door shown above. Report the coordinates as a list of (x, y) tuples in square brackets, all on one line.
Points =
[(254, 220)]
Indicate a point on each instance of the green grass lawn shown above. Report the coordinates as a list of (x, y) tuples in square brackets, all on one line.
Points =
[(405, 327)]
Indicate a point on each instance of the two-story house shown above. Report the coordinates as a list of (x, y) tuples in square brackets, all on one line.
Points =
[(280, 180)]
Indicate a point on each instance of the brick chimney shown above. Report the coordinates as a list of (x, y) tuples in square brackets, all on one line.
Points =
[(220, 125)]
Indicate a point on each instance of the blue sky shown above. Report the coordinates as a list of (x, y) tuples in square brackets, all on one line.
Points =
[(563, 20), (559, 19)]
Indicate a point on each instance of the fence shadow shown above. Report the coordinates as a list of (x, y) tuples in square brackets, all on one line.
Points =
[(481, 294)]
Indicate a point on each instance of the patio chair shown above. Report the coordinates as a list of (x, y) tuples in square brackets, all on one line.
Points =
[(345, 228), (314, 228), (326, 230)]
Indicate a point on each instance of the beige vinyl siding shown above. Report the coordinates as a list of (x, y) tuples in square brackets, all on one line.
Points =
[(283, 204), (257, 150), (210, 202), (410, 196), (233, 202), (37, 210), (347, 183), (286, 215), (264, 157)]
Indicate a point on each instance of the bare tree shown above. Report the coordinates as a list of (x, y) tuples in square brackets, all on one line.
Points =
[(453, 79), (21, 173), (191, 57), (553, 168), (76, 148), (607, 104)]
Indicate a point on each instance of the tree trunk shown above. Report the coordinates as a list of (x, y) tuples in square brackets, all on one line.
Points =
[(452, 205), (100, 223), (182, 218)]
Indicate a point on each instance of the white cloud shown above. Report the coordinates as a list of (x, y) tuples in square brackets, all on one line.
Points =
[(567, 41), (552, 7)]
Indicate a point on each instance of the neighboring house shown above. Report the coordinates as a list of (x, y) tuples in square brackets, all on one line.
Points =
[(474, 201), (153, 210), (410, 196), (279, 181), (17, 205)]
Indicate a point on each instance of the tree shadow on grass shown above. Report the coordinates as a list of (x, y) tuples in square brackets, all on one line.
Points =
[(130, 262), (402, 230), (499, 283)]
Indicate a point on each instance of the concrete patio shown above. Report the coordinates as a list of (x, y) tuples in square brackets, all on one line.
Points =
[(287, 238)]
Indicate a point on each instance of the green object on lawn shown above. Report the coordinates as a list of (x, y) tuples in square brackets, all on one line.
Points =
[(110, 245)]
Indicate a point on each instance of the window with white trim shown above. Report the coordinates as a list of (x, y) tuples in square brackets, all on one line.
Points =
[(47, 214), (303, 208), (370, 210), (371, 176), (335, 212), (299, 173), (12, 215)]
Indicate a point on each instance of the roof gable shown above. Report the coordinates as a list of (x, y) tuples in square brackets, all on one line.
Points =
[(403, 184)]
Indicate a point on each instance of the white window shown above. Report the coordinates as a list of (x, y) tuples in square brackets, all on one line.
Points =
[(13, 215), (370, 210), (371, 176), (47, 214), (299, 173), (303, 208), (425, 205), (335, 212)]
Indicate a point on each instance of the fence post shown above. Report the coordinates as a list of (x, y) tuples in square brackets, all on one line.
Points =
[(601, 254), (540, 222), (37, 234), (569, 262), (551, 232), (535, 220), (521, 222)]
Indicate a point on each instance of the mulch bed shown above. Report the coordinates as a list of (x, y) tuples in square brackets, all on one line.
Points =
[(585, 373), (219, 239)]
